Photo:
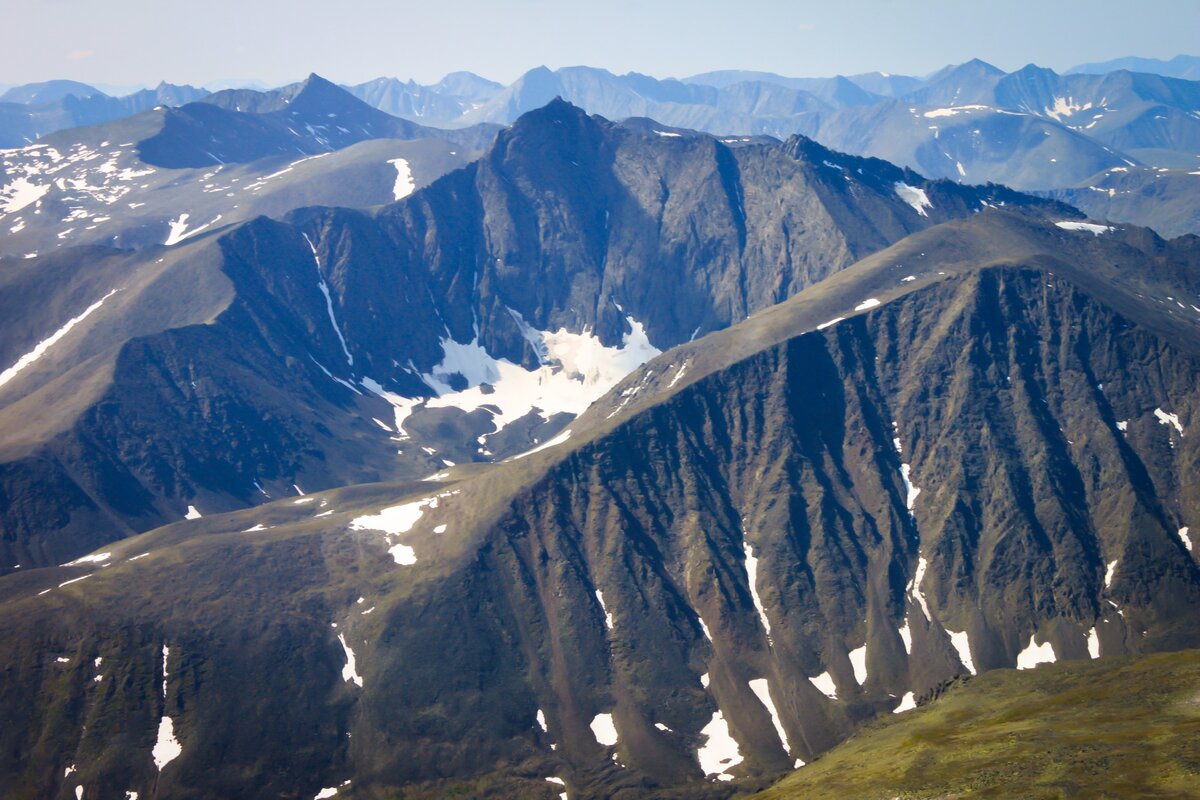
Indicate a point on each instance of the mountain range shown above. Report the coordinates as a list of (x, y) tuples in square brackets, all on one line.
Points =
[(557, 455)]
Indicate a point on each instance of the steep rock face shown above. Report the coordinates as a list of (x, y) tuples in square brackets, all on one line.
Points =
[(981, 473), (576, 247), (1038, 517)]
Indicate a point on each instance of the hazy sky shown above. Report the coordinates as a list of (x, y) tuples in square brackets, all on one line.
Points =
[(277, 41)]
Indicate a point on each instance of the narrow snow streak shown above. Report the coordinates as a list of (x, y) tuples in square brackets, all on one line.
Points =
[(44, 345), (760, 688), (914, 588), (324, 287), (608, 618), (752, 579), (557, 440), (1187, 540)]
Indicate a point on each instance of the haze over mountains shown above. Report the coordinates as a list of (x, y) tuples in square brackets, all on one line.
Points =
[(593, 436)]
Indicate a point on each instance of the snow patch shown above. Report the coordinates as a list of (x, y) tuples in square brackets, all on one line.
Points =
[(1089, 227), (962, 646), (1109, 572), (720, 752), (404, 179), (830, 323), (349, 673), (576, 370), (825, 685), (858, 660), (167, 748), (604, 730), (914, 197), (870, 302), (906, 637), (1183, 537), (1093, 644), (21, 193), (1168, 419), (953, 111), (99, 557), (907, 703), (192, 513), (1035, 654), (910, 492)]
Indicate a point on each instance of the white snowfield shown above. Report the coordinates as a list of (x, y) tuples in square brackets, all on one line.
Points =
[(44, 345), (1086, 227), (914, 196), (575, 369), (720, 752)]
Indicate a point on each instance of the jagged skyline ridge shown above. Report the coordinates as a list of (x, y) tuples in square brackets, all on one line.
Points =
[(120, 45)]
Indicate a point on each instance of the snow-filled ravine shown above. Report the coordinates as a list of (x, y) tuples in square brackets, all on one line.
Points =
[(575, 369)]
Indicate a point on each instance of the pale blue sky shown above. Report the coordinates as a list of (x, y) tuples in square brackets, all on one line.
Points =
[(276, 41)]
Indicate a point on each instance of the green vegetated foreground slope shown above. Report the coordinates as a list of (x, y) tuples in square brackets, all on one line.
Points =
[(1124, 727)]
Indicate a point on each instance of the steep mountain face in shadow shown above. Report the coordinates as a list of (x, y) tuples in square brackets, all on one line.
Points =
[(345, 347), (847, 504)]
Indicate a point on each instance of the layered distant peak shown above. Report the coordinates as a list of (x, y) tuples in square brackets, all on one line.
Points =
[(467, 85), (48, 92)]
